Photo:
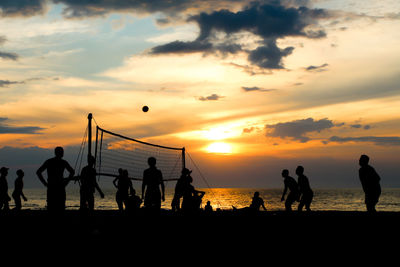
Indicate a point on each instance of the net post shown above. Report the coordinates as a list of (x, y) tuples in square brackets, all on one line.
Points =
[(183, 158), (90, 117), (95, 148)]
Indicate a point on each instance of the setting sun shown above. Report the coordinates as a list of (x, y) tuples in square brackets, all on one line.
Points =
[(219, 147)]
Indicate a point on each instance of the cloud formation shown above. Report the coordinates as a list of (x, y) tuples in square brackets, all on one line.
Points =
[(5, 83), (7, 55), (317, 68), (7, 129), (268, 21), (359, 126), (255, 89), (377, 140), (92, 8), (210, 97), (297, 130), (23, 8)]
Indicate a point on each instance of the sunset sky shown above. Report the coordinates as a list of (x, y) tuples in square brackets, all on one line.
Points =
[(248, 87)]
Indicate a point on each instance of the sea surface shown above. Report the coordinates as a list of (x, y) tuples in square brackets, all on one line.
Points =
[(225, 198)]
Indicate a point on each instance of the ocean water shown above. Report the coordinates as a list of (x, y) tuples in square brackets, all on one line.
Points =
[(225, 198)]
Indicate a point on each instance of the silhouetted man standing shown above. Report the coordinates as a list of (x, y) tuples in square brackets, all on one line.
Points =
[(55, 180), (291, 184), (89, 185), (306, 194), (152, 180), (370, 183), (124, 186)]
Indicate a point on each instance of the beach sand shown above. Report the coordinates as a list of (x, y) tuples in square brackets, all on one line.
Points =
[(276, 226)]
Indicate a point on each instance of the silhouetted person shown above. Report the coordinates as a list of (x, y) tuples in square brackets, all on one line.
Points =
[(89, 185), (4, 197), (56, 182), (306, 194), (208, 208), (152, 181), (291, 184), (370, 183), (124, 186), (192, 198), (18, 187), (134, 202), (257, 202), (179, 189)]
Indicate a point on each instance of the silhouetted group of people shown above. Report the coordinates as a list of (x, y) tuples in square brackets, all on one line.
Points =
[(299, 190), (191, 198), (17, 193), (153, 189)]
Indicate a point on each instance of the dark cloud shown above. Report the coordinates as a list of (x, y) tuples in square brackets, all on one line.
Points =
[(9, 55), (298, 129), (269, 21), (25, 8), (256, 88), (81, 9), (5, 83), (269, 56), (377, 140), (317, 68), (210, 97), (357, 126), (360, 126), (7, 129), (182, 47)]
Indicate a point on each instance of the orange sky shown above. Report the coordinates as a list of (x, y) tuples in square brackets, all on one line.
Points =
[(336, 96)]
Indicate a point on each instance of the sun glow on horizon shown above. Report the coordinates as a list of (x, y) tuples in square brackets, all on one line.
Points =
[(219, 148)]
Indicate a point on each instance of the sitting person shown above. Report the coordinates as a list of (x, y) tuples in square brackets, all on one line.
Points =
[(256, 203), (133, 202), (208, 208)]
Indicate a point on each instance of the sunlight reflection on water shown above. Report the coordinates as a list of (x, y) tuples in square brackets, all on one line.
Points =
[(225, 198)]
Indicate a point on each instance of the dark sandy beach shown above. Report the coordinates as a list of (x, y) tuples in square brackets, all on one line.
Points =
[(321, 237), (274, 225)]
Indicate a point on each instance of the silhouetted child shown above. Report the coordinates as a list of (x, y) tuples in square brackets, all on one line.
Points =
[(306, 194), (370, 183), (18, 187), (257, 202), (56, 182), (124, 185), (4, 197), (291, 184), (208, 208), (197, 199), (152, 181), (134, 201), (89, 185)]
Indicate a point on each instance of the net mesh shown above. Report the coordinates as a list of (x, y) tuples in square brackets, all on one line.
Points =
[(114, 151)]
